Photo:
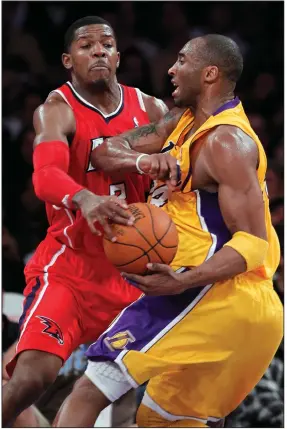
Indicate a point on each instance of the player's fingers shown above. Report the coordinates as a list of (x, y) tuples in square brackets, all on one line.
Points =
[(163, 173), (154, 168), (120, 202), (92, 227), (114, 211), (108, 230), (140, 280), (173, 170), (162, 268)]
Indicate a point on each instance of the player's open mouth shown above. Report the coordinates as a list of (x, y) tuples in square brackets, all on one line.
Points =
[(176, 91)]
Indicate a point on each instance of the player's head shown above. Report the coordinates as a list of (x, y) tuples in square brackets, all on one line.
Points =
[(91, 51), (204, 61)]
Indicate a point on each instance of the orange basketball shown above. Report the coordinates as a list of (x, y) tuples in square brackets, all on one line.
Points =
[(152, 238)]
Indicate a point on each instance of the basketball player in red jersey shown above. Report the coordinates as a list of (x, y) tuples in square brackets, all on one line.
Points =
[(73, 293)]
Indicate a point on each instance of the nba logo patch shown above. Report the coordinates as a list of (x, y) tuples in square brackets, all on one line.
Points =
[(119, 340), (136, 122)]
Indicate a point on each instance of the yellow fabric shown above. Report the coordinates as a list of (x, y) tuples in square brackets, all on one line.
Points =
[(196, 242), (250, 247), (210, 359), (148, 418)]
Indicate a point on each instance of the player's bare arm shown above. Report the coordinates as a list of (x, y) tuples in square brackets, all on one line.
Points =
[(54, 123), (121, 153), (230, 159)]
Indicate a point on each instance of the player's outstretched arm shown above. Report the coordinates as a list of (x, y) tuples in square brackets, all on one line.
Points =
[(231, 159), (122, 152), (54, 122)]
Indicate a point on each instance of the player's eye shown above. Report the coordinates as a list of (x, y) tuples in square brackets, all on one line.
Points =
[(180, 61), (108, 45), (86, 46)]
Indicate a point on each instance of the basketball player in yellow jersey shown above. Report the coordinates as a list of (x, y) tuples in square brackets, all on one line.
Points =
[(207, 327)]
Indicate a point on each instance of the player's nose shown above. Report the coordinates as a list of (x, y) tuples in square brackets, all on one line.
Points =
[(171, 71), (98, 50)]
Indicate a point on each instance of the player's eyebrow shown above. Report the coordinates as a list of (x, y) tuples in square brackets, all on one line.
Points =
[(181, 55), (87, 35)]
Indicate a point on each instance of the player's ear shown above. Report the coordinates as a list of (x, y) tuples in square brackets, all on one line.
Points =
[(67, 62), (118, 62), (211, 73)]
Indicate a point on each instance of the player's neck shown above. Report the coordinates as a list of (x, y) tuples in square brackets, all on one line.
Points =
[(104, 97), (207, 105)]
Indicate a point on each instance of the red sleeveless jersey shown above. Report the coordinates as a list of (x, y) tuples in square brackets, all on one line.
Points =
[(92, 127)]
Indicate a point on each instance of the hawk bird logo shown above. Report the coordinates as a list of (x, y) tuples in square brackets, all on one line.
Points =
[(52, 329)]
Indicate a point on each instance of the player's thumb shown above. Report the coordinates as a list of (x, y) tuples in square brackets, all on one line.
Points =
[(158, 267)]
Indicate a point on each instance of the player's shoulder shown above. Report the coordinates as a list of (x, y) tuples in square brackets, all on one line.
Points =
[(54, 109), (155, 107), (229, 137), (229, 144)]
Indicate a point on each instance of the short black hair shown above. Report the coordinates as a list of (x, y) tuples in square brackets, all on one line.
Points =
[(224, 53), (87, 20)]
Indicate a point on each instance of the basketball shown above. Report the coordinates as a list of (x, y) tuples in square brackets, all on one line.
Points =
[(152, 238)]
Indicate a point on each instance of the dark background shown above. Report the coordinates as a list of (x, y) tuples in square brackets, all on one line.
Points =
[(149, 34)]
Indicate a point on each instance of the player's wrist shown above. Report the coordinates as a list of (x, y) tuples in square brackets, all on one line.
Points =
[(143, 163), (81, 197)]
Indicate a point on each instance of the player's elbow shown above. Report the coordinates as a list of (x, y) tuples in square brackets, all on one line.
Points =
[(39, 179)]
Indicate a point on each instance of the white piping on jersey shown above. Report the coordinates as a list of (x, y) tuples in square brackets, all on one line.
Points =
[(68, 226), (140, 98), (204, 226), (95, 108), (150, 403), (46, 284), (62, 95)]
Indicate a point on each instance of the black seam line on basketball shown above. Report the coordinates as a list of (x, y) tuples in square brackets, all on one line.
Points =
[(159, 239), (151, 246), (131, 245), (145, 253)]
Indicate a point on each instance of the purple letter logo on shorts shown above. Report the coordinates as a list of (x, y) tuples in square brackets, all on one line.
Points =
[(52, 329), (119, 340)]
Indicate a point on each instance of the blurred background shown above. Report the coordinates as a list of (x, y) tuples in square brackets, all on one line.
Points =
[(149, 38)]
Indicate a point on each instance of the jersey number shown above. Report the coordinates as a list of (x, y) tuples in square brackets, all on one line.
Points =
[(95, 143), (119, 190)]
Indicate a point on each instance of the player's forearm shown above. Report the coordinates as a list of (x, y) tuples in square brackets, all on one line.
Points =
[(115, 155), (51, 181), (225, 264)]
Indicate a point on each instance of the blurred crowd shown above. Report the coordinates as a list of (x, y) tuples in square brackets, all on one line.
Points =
[(149, 37)]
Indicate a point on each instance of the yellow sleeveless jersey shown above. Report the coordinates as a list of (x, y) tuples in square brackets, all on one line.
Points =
[(196, 213)]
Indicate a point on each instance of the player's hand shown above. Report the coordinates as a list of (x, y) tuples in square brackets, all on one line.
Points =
[(103, 209), (161, 166), (164, 281)]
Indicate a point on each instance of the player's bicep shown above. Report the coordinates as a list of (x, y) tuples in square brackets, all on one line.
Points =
[(232, 164), (243, 208), (53, 121)]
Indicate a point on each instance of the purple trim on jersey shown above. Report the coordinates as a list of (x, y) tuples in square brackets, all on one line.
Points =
[(211, 213), (140, 323), (229, 105)]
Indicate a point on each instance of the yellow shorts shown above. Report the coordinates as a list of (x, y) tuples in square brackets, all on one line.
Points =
[(203, 351)]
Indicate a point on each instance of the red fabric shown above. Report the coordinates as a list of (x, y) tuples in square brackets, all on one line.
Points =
[(78, 294), (51, 182), (92, 127)]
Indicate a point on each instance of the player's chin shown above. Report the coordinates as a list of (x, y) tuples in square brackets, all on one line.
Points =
[(178, 102)]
